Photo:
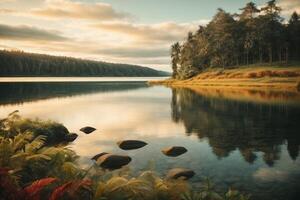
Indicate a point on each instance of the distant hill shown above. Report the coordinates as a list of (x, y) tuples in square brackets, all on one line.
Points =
[(18, 63)]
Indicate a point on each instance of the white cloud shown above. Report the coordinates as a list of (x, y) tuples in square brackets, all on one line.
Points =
[(166, 32), (79, 10), (289, 6)]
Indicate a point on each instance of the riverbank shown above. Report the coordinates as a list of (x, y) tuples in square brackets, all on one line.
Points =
[(272, 77)]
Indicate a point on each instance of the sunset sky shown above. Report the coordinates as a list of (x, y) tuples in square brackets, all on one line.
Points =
[(123, 31)]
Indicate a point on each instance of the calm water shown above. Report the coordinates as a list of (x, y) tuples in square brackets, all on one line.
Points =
[(248, 140)]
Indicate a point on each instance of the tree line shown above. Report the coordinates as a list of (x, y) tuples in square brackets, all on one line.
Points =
[(250, 37), (19, 63)]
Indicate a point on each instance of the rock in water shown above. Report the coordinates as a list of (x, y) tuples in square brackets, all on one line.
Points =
[(174, 151), (87, 129), (97, 156), (71, 137), (131, 144), (180, 173), (112, 161)]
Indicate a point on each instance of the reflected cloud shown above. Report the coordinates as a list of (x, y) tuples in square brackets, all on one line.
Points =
[(267, 174)]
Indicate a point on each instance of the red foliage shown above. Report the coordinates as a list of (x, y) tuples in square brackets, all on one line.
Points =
[(8, 188), (10, 191), (33, 191), (70, 188)]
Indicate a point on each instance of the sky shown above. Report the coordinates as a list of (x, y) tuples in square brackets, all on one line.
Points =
[(120, 31)]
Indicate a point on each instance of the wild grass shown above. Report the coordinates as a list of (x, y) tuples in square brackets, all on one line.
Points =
[(275, 77), (31, 170)]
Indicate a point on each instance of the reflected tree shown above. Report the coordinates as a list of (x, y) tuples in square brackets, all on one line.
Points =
[(17, 93), (238, 125)]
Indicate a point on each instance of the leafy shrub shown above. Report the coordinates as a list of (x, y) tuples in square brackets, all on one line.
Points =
[(14, 124)]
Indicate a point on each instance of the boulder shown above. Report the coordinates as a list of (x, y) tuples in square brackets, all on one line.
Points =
[(87, 129), (71, 137), (112, 161), (131, 144), (180, 173), (97, 156), (174, 151)]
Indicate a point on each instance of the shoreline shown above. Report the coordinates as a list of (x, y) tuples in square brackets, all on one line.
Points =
[(282, 78)]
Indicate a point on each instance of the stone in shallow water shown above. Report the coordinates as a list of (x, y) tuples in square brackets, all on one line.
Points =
[(131, 144), (87, 129), (180, 173), (174, 151), (97, 156), (71, 137), (112, 161)]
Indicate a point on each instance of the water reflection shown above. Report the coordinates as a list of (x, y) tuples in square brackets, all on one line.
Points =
[(20, 92), (229, 125), (245, 140)]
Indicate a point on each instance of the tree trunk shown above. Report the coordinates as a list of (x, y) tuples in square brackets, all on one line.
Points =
[(279, 55), (287, 55), (247, 54), (270, 55), (260, 55)]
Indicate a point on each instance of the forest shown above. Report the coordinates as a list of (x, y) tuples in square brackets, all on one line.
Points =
[(19, 63), (254, 36)]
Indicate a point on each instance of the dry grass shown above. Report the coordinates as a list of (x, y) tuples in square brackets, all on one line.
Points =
[(282, 78)]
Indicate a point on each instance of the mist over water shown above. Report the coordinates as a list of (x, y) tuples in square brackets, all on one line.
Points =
[(249, 141)]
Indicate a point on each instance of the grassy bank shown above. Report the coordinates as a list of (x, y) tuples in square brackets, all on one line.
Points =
[(275, 77)]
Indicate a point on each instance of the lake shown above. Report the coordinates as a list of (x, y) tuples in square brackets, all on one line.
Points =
[(245, 139)]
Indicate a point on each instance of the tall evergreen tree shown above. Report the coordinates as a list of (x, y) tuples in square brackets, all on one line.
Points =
[(253, 36), (175, 56)]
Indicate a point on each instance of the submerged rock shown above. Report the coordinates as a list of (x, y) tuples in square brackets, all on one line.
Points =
[(174, 151), (112, 161), (97, 156), (87, 129), (131, 144), (71, 137), (180, 173)]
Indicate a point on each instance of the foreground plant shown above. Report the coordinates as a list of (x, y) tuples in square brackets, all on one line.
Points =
[(31, 169)]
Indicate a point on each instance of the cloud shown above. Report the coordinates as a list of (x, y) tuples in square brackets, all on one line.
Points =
[(134, 52), (166, 31), (28, 33), (97, 30), (289, 6), (6, 11), (79, 10), (266, 174)]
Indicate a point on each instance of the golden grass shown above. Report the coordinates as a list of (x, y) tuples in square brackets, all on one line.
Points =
[(280, 78)]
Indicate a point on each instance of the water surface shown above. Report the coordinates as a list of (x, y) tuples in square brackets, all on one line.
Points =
[(248, 141)]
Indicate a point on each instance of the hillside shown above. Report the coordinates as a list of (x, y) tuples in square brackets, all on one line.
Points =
[(16, 63)]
